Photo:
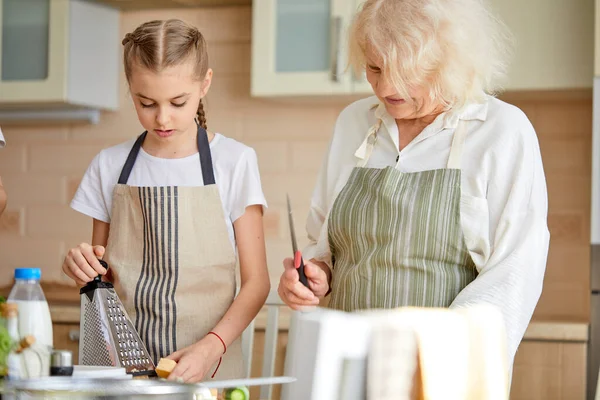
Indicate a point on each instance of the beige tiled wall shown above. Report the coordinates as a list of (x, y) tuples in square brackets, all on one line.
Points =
[(42, 165), (564, 129)]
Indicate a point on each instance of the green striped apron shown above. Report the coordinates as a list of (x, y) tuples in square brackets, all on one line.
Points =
[(396, 238)]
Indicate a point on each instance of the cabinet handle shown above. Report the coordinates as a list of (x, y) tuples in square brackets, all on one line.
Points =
[(74, 335), (336, 33)]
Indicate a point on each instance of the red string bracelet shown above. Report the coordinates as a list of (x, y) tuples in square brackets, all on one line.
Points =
[(224, 351)]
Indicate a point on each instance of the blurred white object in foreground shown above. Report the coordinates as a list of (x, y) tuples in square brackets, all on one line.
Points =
[(401, 354)]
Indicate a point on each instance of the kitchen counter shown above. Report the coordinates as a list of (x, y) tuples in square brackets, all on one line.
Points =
[(64, 308), (64, 313), (564, 331)]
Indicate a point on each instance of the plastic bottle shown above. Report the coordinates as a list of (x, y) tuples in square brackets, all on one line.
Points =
[(34, 313)]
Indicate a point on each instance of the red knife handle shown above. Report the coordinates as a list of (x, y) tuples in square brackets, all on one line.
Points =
[(299, 265)]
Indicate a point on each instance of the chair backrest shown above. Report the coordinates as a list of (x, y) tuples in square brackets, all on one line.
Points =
[(269, 353)]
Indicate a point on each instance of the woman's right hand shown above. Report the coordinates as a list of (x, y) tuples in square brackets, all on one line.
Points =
[(81, 263), (294, 293)]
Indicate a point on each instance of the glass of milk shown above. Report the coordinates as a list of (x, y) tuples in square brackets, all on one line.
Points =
[(34, 313)]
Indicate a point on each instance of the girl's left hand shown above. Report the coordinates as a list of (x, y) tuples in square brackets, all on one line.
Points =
[(194, 362)]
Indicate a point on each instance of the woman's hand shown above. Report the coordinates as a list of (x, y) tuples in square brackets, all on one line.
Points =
[(194, 362), (81, 263), (294, 293)]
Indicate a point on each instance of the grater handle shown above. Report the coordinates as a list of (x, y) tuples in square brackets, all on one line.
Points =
[(99, 277)]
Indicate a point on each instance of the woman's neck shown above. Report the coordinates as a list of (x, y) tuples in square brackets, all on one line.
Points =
[(409, 129)]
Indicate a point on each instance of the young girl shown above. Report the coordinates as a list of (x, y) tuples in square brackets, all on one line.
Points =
[(170, 208)]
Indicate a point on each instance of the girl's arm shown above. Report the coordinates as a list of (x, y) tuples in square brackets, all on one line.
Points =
[(255, 284), (100, 233)]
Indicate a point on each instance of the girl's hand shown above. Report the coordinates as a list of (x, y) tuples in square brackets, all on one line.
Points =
[(81, 263), (294, 293), (194, 362)]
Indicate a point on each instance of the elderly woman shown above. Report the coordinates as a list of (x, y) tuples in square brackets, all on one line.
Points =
[(432, 193)]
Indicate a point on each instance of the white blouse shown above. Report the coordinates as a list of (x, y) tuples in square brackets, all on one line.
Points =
[(504, 201)]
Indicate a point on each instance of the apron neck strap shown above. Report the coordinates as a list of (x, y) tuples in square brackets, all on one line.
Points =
[(458, 141), (367, 147), (208, 175), (126, 171)]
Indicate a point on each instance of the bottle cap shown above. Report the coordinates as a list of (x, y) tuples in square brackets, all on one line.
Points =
[(27, 342), (28, 273), (9, 309)]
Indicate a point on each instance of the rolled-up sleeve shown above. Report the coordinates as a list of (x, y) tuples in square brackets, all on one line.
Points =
[(512, 276)]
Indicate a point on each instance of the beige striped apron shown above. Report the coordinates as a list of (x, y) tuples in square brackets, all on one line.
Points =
[(396, 238), (172, 263)]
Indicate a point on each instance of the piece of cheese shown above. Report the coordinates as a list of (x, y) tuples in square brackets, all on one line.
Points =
[(165, 367)]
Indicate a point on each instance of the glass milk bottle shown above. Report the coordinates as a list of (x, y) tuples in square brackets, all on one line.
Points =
[(34, 313)]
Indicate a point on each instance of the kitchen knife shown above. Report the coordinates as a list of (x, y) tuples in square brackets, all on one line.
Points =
[(298, 262)]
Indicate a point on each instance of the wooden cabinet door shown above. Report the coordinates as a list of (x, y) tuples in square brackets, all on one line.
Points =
[(66, 337)]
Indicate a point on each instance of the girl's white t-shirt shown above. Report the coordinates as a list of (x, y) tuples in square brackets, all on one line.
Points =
[(235, 167)]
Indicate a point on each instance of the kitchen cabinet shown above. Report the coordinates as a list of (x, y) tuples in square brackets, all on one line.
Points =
[(58, 54), (549, 370), (66, 337), (161, 4), (300, 48), (65, 313), (554, 43)]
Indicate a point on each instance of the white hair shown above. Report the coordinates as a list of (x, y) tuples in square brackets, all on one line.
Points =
[(456, 48)]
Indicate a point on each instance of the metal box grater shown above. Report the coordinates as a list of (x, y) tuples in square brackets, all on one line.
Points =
[(108, 337)]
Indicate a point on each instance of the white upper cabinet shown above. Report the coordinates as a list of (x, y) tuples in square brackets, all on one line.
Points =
[(58, 54), (299, 48), (554, 46)]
